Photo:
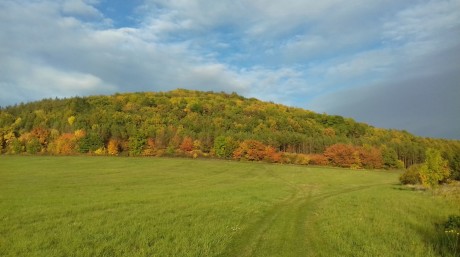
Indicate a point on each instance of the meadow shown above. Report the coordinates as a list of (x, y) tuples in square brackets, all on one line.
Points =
[(109, 206)]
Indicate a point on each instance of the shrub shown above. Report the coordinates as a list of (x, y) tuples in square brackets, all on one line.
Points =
[(33, 146), (411, 175), (318, 159), (452, 232)]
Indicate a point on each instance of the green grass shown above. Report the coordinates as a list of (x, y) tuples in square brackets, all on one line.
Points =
[(103, 206)]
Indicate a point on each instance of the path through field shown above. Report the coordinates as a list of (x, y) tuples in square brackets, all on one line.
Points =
[(286, 228)]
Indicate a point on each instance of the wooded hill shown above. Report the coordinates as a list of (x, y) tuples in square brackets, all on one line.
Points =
[(194, 123)]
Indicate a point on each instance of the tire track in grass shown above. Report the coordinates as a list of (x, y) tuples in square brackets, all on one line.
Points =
[(282, 230)]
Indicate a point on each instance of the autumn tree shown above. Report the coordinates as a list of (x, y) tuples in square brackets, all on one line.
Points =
[(342, 155), (65, 144), (149, 148), (318, 159), (113, 147), (271, 155), (370, 157), (251, 150), (42, 134), (187, 144)]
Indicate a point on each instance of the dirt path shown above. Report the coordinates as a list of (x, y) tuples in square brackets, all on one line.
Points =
[(282, 230)]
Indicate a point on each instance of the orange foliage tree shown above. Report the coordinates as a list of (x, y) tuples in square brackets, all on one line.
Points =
[(341, 155), (350, 156), (318, 159), (64, 144), (370, 157), (41, 134), (187, 144), (150, 147), (251, 150), (271, 155)]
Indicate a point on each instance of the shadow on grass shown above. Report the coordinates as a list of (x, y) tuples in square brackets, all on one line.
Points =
[(409, 187), (443, 243)]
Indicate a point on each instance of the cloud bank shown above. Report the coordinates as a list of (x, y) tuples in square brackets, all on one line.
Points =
[(390, 63)]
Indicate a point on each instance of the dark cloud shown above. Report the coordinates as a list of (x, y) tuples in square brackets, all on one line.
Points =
[(423, 98)]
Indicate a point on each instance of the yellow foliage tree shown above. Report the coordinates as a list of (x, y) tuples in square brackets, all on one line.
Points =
[(113, 147)]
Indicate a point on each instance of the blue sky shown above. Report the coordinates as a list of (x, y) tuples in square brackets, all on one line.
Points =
[(389, 63)]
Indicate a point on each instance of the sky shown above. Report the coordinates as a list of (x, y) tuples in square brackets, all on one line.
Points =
[(388, 63)]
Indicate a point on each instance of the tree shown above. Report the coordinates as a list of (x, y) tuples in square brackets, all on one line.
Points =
[(89, 143), (136, 144), (435, 169), (390, 158), (271, 155), (342, 155), (370, 157), (113, 147), (187, 144), (15, 146), (64, 144), (224, 146), (251, 150), (42, 134), (149, 148), (33, 146)]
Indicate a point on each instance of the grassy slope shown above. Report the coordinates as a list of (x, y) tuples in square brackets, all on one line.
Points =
[(80, 206)]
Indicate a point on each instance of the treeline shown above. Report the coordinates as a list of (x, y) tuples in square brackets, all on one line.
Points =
[(183, 122)]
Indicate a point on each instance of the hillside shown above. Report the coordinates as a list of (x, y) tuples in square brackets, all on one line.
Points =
[(204, 124)]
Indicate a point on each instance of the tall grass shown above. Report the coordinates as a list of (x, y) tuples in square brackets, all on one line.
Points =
[(83, 206)]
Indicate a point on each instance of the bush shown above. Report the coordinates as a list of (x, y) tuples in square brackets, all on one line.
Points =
[(318, 159), (452, 223), (452, 232), (33, 146), (411, 175)]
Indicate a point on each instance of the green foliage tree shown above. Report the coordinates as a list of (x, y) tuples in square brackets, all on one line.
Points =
[(136, 144), (15, 146), (390, 158), (89, 143), (224, 146), (33, 146), (435, 169)]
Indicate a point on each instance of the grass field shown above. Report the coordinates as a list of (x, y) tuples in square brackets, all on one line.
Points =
[(107, 206)]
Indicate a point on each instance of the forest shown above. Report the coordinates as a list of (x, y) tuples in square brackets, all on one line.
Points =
[(208, 124)]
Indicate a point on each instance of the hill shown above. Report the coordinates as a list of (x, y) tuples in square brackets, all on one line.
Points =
[(184, 122)]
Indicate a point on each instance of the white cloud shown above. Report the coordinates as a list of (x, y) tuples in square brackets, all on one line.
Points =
[(80, 8)]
